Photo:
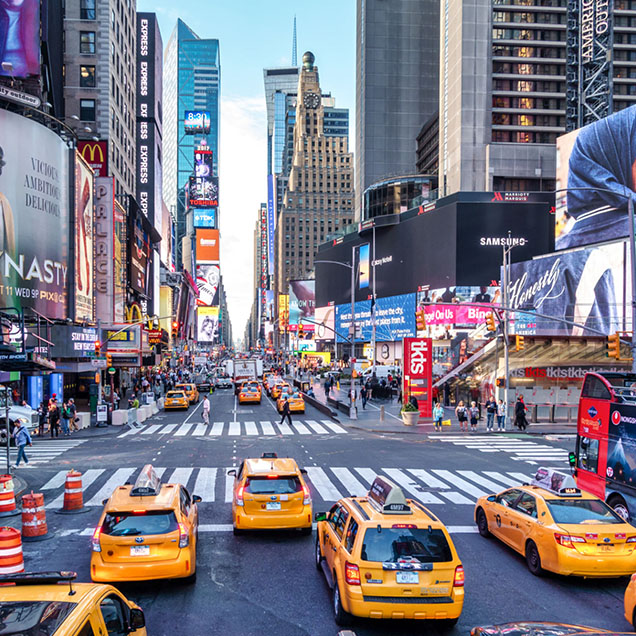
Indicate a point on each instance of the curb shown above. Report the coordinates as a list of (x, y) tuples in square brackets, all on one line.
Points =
[(428, 432)]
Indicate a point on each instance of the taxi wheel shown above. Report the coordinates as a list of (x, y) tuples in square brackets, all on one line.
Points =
[(634, 619), (482, 523), (318, 554), (342, 618), (533, 559), (190, 580), (237, 531)]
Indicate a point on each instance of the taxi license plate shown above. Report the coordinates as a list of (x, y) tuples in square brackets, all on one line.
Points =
[(407, 577), (139, 550), (273, 505), (607, 548)]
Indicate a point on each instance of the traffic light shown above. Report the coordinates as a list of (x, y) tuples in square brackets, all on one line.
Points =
[(490, 321), (614, 346), (98, 347), (500, 382), (420, 320), (109, 360), (519, 343), (175, 328), (301, 332)]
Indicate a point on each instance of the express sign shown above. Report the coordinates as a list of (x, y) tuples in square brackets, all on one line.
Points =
[(418, 373)]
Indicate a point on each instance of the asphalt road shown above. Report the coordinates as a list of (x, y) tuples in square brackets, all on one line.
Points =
[(267, 583)]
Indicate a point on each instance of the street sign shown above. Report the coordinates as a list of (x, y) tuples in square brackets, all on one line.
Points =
[(99, 363), (111, 371), (102, 413)]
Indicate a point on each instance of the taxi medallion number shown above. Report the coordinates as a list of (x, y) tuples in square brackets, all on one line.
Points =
[(407, 577), (139, 550), (273, 505)]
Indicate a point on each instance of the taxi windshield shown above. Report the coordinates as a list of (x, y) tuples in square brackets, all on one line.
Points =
[(273, 485), (582, 511), (32, 618), (129, 524), (391, 544)]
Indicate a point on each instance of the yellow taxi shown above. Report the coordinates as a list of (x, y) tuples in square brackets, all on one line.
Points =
[(270, 493), (176, 400), (52, 603), (146, 531), (296, 402), (630, 601), (249, 394), (559, 528), (266, 380), (385, 556), (190, 390), (277, 388)]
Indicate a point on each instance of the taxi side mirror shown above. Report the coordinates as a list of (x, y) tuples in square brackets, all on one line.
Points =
[(137, 619), (491, 498), (320, 516), (303, 471), (196, 499), (104, 502), (231, 472), (572, 459)]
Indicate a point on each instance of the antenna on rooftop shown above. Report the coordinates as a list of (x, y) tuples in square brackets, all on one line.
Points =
[(294, 47)]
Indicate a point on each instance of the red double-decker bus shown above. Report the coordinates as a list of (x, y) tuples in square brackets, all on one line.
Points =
[(605, 458)]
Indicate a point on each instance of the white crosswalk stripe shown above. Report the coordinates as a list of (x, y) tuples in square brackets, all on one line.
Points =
[(268, 429), (199, 430), (44, 451), (431, 487), (183, 430), (217, 428)]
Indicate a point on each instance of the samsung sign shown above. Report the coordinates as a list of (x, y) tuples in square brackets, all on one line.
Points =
[(508, 241)]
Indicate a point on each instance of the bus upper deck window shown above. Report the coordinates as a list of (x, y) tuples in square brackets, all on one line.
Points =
[(593, 387)]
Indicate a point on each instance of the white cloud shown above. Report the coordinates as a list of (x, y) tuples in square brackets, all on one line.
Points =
[(242, 188)]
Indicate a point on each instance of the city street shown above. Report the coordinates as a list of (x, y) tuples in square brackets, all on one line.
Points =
[(267, 583)]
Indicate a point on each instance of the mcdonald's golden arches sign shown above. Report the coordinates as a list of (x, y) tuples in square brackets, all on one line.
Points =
[(95, 153)]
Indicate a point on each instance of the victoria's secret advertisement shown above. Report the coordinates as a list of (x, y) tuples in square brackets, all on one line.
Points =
[(34, 205)]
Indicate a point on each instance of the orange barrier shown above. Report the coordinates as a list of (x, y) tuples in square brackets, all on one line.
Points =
[(33, 516), (11, 559), (7, 497), (73, 496)]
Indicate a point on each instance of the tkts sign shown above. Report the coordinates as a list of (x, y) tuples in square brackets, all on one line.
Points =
[(95, 153), (418, 373)]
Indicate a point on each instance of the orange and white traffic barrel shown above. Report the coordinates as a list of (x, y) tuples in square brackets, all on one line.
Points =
[(34, 526), (8, 506), (73, 494), (11, 559)]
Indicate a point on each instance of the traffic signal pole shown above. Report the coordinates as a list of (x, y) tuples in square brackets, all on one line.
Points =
[(505, 323)]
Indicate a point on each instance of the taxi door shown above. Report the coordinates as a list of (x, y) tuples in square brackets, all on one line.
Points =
[(522, 519), (501, 514), (190, 512), (113, 617), (334, 531)]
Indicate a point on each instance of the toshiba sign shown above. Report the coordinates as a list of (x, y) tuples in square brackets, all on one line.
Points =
[(207, 245)]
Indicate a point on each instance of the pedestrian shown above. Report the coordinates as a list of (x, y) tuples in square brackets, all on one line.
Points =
[(72, 410), (65, 418), (54, 417), (491, 411), (43, 414), (327, 385), (206, 410), (474, 415), (438, 415), (135, 400), (286, 412), (22, 438), (462, 415), (501, 416), (363, 396), (520, 414)]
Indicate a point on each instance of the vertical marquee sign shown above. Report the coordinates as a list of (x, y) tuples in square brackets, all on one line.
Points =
[(417, 373)]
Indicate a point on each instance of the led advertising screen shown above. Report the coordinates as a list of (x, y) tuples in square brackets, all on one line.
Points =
[(139, 245), (84, 222), (595, 165), (207, 323), (208, 277), (204, 192), (34, 205), (203, 164), (207, 245), (283, 311), (302, 302), (196, 121), (204, 217), (20, 38), (119, 251), (326, 319)]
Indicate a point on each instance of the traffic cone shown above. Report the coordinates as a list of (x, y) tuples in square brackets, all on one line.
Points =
[(11, 558), (8, 506), (34, 526), (73, 494)]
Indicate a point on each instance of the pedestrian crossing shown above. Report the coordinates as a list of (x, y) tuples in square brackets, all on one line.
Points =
[(328, 484), (43, 451), (524, 450), (238, 429)]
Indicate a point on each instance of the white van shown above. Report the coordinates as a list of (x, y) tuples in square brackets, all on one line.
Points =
[(381, 371)]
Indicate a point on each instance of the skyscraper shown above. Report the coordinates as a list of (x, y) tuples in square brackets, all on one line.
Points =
[(397, 71)]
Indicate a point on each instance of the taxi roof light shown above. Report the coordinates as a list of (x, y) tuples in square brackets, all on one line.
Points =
[(147, 484), (556, 482), (388, 498)]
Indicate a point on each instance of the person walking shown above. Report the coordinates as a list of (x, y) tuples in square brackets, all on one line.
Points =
[(65, 418), (206, 410), (363, 396), (22, 438), (474, 415), (462, 415), (54, 417), (520, 414), (43, 414), (501, 416), (72, 410), (286, 412), (491, 411), (438, 415)]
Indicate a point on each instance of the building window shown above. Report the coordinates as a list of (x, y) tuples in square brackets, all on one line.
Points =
[(87, 76), (87, 109), (87, 42), (87, 9)]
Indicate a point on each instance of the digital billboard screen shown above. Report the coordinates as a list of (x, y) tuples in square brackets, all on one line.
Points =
[(207, 245), (208, 277), (204, 192), (196, 121), (204, 217), (207, 323), (95, 153), (326, 319), (139, 244), (20, 38), (595, 178), (302, 302), (84, 222)]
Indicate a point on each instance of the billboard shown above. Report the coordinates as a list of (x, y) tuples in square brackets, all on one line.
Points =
[(104, 256), (418, 373), (196, 121), (119, 260), (326, 319), (302, 302), (34, 204), (207, 323), (283, 311), (271, 220), (20, 38), (203, 164), (207, 245), (590, 286), (203, 192), (595, 164), (394, 319), (139, 256), (208, 277), (73, 342), (204, 217), (84, 221), (95, 153)]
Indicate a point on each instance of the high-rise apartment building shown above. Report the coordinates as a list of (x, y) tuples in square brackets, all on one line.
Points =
[(99, 78), (502, 90), (397, 71), (319, 195)]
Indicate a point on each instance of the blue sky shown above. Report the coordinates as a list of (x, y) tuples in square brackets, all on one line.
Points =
[(255, 34)]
